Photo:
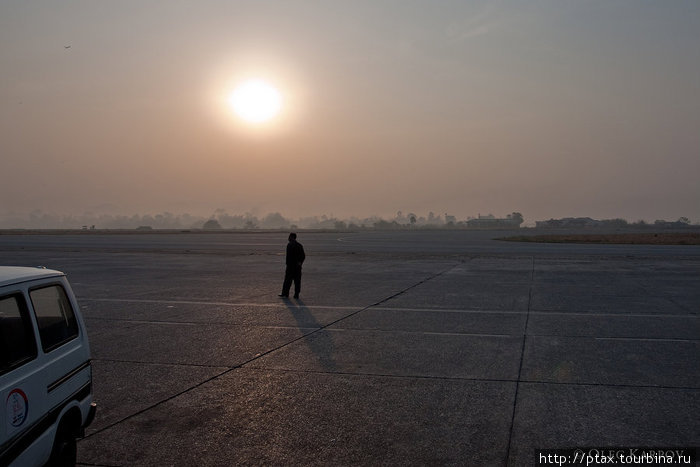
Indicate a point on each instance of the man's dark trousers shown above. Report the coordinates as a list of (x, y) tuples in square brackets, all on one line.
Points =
[(292, 273)]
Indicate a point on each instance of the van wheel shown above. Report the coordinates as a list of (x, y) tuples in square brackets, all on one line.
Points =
[(65, 448)]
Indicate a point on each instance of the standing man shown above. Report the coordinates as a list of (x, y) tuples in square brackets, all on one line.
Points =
[(295, 258)]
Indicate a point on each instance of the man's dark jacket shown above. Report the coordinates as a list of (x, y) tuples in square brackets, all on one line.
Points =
[(295, 254)]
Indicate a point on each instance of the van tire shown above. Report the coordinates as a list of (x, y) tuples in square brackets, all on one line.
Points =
[(65, 447)]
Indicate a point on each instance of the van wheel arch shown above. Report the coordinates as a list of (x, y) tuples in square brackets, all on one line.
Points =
[(65, 445)]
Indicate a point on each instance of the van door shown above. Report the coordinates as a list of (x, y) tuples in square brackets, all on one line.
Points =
[(67, 364), (22, 398)]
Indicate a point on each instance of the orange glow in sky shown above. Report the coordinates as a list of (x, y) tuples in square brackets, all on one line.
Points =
[(551, 109)]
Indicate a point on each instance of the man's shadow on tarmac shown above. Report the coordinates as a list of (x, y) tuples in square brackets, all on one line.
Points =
[(319, 341)]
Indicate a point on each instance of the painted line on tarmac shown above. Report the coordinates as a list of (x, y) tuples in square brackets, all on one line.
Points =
[(199, 323), (480, 380), (195, 302), (309, 329), (399, 309), (292, 305), (649, 339)]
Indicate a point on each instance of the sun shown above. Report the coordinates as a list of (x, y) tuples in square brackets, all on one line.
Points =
[(256, 101)]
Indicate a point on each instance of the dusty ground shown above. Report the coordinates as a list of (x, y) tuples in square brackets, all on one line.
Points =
[(671, 238)]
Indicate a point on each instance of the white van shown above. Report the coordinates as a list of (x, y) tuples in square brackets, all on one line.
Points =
[(45, 372)]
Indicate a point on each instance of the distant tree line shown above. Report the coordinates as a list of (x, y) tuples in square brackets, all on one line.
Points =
[(401, 221), (220, 219)]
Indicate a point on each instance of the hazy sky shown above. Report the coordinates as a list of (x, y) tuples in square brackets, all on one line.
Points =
[(551, 108)]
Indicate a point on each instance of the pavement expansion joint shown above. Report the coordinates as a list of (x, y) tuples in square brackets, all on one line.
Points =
[(522, 359)]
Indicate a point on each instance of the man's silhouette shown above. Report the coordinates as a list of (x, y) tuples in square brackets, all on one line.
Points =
[(295, 258)]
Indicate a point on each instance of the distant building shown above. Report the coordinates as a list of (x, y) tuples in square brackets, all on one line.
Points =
[(512, 221), (568, 222), (679, 224)]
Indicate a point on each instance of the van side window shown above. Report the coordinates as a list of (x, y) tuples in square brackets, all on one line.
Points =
[(54, 316), (17, 344)]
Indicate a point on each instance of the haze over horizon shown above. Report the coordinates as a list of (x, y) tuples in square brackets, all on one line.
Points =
[(553, 109)]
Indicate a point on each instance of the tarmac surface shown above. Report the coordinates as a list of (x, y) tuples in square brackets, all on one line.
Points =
[(406, 348)]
